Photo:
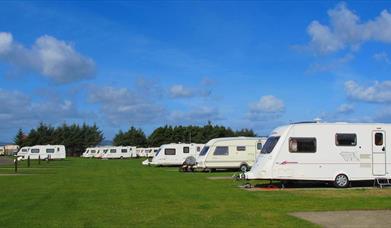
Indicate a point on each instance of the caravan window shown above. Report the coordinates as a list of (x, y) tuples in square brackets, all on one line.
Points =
[(221, 150), (92, 151), (379, 139), (302, 145), (49, 150), (113, 151), (270, 144), (204, 150), (259, 146), (24, 150), (35, 151), (186, 150), (345, 139), (241, 148), (124, 150), (170, 151), (198, 148)]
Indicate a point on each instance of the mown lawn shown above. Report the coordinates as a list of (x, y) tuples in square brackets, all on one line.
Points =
[(123, 193)]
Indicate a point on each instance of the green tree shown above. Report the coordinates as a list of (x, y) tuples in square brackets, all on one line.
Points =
[(132, 137), (20, 138)]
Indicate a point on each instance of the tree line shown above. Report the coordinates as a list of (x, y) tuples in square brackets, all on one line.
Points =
[(170, 134), (76, 138)]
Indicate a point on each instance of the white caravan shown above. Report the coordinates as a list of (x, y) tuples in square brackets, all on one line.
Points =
[(100, 151), (90, 152), (23, 151), (230, 153), (335, 152), (118, 152), (175, 154), (141, 152), (46, 151)]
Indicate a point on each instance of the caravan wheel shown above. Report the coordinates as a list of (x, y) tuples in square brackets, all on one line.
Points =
[(341, 181), (243, 168)]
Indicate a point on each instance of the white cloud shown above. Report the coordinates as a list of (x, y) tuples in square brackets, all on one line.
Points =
[(199, 115), (268, 104), (330, 66), (266, 108), (382, 57), (177, 91), (50, 57), (379, 92), (345, 108), (123, 106), (20, 111), (347, 31), (181, 91)]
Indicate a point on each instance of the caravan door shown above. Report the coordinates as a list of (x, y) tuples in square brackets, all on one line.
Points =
[(379, 153)]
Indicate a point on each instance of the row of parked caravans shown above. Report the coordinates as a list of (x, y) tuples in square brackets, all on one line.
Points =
[(109, 152), (42, 152), (220, 153), (309, 151)]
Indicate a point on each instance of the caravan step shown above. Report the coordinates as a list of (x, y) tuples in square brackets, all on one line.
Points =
[(382, 182)]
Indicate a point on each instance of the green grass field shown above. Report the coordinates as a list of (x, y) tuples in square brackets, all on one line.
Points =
[(105, 193)]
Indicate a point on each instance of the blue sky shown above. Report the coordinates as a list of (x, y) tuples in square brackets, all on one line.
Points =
[(241, 64)]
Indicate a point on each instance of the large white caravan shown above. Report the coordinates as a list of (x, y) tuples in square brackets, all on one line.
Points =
[(45, 152), (175, 154), (230, 153), (118, 152), (337, 152)]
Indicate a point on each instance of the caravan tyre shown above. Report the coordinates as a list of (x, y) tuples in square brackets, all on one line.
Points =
[(243, 168), (341, 181)]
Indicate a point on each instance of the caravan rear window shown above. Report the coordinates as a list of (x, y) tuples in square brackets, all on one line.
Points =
[(345, 139), (221, 150), (302, 145), (170, 151), (186, 150), (35, 151), (49, 150), (270, 144), (204, 150)]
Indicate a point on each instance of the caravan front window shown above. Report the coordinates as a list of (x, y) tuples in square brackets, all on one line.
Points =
[(270, 144), (204, 150), (92, 151), (157, 152), (105, 151), (35, 151), (302, 145)]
